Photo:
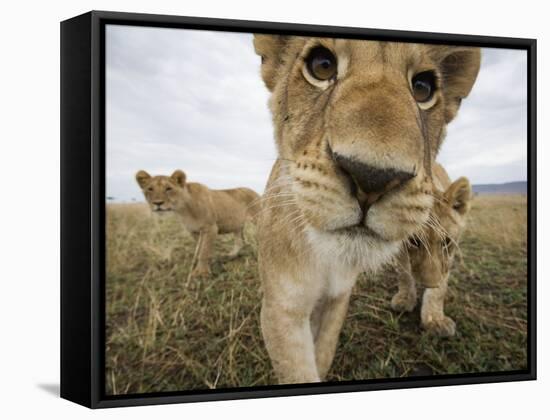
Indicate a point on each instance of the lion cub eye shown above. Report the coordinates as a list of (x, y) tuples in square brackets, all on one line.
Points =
[(168, 189), (423, 86), (150, 189), (321, 63)]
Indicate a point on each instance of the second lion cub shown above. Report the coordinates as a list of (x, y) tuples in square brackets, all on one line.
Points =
[(428, 257), (204, 212)]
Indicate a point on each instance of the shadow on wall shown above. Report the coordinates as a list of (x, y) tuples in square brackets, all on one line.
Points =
[(52, 389)]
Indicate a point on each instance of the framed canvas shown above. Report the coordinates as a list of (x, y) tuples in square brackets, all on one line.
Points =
[(254, 209)]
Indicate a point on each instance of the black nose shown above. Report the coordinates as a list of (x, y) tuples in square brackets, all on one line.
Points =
[(158, 203), (371, 179)]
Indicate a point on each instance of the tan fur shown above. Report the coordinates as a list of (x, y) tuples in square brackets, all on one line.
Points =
[(204, 212), (314, 238), (428, 258)]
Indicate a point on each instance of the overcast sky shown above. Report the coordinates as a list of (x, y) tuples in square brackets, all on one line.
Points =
[(194, 100)]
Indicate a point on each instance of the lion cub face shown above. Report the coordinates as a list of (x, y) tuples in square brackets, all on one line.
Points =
[(358, 124), (163, 193), (431, 252)]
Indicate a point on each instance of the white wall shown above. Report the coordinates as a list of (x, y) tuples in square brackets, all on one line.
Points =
[(29, 226)]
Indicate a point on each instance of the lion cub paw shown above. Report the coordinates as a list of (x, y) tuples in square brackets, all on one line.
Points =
[(443, 327), (403, 302)]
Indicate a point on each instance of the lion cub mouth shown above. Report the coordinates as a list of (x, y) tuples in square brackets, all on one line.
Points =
[(359, 230)]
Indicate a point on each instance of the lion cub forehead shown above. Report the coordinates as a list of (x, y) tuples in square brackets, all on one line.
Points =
[(367, 54), (160, 180)]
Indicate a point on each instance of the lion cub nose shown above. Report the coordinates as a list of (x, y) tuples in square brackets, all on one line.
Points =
[(371, 182), (158, 202)]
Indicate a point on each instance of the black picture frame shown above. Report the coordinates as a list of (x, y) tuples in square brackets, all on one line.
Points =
[(83, 208)]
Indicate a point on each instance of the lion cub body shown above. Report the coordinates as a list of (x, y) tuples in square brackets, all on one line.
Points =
[(352, 179), (228, 209), (428, 258), (205, 212)]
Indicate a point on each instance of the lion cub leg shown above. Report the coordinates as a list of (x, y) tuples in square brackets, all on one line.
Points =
[(238, 245), (327, 328), (405, 298), (205, 245), (432, 315), (289, 342)]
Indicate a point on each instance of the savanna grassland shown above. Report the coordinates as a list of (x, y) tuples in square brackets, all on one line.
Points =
[(169, 332)]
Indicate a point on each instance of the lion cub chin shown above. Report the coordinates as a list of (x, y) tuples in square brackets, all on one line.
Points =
[(204, 212), (428, 258)]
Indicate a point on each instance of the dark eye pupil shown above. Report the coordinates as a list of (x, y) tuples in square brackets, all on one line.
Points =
[(422, 89), (423, 86), (321, 63)]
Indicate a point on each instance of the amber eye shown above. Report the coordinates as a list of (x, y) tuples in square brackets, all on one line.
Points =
[(321, 63), (168, 189), (423, 86), (150, 189)]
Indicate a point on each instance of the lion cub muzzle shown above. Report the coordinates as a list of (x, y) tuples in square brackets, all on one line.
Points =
[(369, 182)]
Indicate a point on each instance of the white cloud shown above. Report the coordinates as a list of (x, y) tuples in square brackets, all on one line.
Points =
[(194, 100), (488, 140)]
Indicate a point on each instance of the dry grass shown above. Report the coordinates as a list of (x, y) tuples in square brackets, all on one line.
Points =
[(167, 334)]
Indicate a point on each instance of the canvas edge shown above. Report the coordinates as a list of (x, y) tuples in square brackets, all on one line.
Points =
[(76, 188)]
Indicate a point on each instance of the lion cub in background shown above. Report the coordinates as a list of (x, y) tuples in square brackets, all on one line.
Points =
[(204, 212), (428, 257)]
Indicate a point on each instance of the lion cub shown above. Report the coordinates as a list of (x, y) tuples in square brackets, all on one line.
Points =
[(428, 257), (204, 212), (352, 120)]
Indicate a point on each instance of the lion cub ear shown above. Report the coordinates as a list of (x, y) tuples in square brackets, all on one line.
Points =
[(271, 49), (459, 67), (142, 178), (459, 195), (179, 177)]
